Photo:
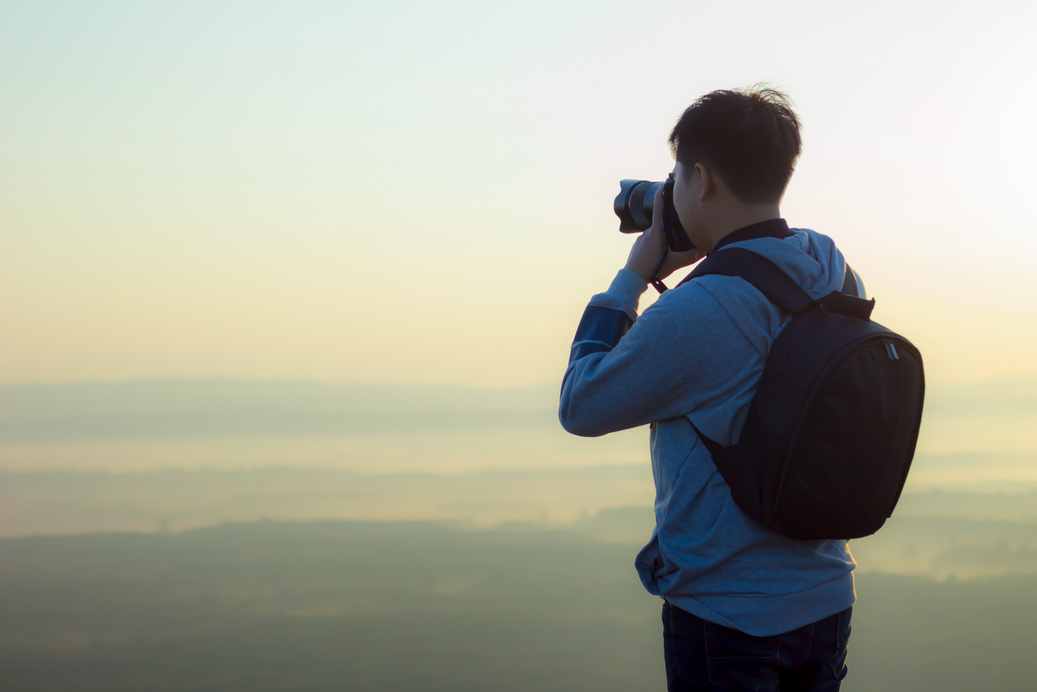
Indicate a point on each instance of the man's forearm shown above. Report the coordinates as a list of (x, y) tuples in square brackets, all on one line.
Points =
[(605, 321)]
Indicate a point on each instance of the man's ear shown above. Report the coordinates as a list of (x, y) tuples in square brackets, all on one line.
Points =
[(707, 184)]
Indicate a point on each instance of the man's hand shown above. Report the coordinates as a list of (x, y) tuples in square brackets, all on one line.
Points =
[(650, 246)]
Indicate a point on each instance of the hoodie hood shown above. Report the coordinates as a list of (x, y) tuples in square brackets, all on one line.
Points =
[(809, 258)]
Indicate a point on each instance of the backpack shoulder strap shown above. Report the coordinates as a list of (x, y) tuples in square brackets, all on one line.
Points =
[(766, 277), (763, 274), (773, 283)]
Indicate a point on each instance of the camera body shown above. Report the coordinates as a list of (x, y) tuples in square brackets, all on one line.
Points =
[(634, 207)]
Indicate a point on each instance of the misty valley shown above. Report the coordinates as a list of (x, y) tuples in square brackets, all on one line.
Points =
[(197, 536)]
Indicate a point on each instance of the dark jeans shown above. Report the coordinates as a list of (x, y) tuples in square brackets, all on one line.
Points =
[(703, 656)]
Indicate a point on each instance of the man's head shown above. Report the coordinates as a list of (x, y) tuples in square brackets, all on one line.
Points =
[(735, 153), (749, 139)]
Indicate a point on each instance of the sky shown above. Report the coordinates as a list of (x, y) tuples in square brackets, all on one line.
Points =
[(421, 193)]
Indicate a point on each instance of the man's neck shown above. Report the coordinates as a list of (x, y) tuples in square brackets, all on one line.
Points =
[(739, 217)]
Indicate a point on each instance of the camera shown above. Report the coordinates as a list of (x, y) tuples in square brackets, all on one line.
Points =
[(634, 204)]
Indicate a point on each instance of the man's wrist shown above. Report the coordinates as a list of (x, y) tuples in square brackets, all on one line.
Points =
[(645, 273), (627, 288)]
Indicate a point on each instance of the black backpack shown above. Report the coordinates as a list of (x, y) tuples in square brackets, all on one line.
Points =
[(832, 428)]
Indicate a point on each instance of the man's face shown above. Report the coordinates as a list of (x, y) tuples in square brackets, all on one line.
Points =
[(686, 192)]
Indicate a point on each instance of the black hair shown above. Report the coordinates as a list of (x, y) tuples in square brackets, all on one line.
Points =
[(747, 137)]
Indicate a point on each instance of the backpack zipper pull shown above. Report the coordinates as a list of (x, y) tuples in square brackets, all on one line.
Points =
[(891, 350)]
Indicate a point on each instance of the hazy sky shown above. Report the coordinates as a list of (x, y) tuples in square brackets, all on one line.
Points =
[(421, 192)]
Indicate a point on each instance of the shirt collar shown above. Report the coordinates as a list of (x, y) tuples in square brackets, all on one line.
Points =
[(771, 228)]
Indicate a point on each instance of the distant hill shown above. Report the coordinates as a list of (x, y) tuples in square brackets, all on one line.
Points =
[(184, 408)]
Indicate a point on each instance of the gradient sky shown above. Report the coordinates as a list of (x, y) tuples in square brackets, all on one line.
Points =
[(418, 192)]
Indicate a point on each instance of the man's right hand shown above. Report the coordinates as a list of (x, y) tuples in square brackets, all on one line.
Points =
[(650, 246)]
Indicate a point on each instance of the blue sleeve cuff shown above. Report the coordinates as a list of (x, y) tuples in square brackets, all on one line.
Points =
[(600, 330)]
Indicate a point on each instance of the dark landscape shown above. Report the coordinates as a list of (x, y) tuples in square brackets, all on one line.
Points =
[(425, 606)]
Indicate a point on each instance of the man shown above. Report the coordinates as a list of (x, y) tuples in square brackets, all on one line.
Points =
[(744, 608)]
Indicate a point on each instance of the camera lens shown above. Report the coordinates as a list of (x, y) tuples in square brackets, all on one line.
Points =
[(634, 203), (634, 207)]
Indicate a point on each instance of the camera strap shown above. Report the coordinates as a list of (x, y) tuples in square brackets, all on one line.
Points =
[(655, 280)]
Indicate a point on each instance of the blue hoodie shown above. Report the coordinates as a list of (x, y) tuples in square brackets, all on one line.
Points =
[(695, 356)]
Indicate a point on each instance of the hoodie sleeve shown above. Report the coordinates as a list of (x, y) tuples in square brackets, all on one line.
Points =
[(625, 371)]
